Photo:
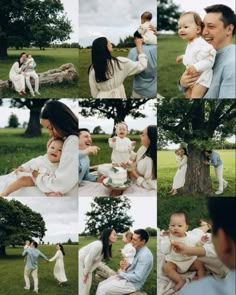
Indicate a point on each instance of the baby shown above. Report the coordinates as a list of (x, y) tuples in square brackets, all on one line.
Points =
[(128, 252), (199, 55), (121, 145), (29, 72), (177, 263), (144, 29), (46, 164)]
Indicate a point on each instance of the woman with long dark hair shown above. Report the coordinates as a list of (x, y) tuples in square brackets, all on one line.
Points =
[(145, 171), (59, 269), (61, 122), (16, 74), (107, 73), (91, 255)]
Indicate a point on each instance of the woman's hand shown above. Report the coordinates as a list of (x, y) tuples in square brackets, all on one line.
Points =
[(187, 80), (179, 247), (85, 279), (35, 173)]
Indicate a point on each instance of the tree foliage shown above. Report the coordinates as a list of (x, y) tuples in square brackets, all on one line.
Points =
[(13, 121), (167, 15), (17, 223), (108, 213)]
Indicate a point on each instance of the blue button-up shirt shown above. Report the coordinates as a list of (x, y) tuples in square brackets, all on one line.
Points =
[(32, 257)]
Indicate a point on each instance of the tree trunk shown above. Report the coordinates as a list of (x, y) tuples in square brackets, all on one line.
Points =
[(197, 178), (3, 47), (2, 250), (34, 127)]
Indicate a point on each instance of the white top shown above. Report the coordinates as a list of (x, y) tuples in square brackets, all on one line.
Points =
[(121, 149), (114, 88), (17, 77), (129, 252), (202, 55), (65, 178), (148, 35), (40, 164), (144, 166)]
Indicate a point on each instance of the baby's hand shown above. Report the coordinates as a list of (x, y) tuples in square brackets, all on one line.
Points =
[(165, 233), (204, 238), (191, 69), (101, 178), (113, 139), (133, 143), (179, 59), (19, 169)]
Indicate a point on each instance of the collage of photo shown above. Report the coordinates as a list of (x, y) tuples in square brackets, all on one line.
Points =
[(117, 147)]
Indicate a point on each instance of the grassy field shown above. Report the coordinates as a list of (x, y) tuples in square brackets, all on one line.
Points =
[(47, 59), (150, 285), (12, 270), (84, 62)]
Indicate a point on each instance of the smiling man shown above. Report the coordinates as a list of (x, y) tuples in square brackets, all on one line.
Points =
[(219, 29)]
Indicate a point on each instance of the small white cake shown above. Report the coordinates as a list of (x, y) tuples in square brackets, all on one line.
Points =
[(118, 175)]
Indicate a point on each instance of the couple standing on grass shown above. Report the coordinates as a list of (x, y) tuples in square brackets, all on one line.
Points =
[(31, 267)]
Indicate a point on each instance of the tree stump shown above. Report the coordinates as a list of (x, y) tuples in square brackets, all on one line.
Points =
[(65, 73)]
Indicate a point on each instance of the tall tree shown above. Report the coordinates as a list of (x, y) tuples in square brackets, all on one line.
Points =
[(17, 223), (13, 121), (198, 123), (108, 213), (167, 15), (116, 109), (31, 22)]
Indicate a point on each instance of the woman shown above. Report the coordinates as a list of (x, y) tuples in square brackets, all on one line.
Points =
[(61, 122), (59, 270), (91, 255), (16, 74), (107, 73), (179, 179), (145, 170)]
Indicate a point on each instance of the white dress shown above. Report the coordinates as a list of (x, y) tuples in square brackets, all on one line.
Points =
[(129, 252), (89, 258), (179, 179), (121, 149), (17, 77), (65, 179), (59, 270), (148, 35), (114, 88), (202, 55)]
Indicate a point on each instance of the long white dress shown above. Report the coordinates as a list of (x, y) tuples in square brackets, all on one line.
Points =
[(59, 270), (114, 88), (179, 179), (89, 258), (17, 77)]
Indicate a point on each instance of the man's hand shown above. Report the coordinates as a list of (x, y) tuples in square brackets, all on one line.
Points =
[(91, 150), (188, 80), (152, 28), (179, 247)]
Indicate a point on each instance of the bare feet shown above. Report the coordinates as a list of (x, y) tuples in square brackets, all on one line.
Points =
[(174, 192), (179, 285)]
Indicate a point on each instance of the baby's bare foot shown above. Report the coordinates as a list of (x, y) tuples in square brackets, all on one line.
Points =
[(179, 285)]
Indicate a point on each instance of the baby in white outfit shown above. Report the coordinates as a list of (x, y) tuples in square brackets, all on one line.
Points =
[(128, 252), (144, 29)]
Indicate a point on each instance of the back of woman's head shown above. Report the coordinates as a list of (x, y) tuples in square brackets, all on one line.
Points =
[(152, 148), (62, 249), (61, 117), (104, 238)]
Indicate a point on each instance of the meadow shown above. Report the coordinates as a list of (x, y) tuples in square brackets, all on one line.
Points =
[(47, 59), (12, 272), (84, 63), (150, 285)]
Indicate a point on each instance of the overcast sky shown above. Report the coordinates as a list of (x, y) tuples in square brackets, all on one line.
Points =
[(71, 7), (59, 214), (113, 19), (143, 211)]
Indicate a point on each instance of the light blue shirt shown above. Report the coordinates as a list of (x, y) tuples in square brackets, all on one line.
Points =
[(32, 257), (215, 159), (145, 83), (84, 164), (211, 286), (140, 268), (223, 82)]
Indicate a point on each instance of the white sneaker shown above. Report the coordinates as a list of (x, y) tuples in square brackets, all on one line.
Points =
[(38, 93), (218, 192), (27, 288), (226, 184), (32, 93)]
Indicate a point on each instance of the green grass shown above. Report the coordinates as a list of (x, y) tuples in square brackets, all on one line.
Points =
[(47, 59), (12, 272), (85, 61), (150, 285)]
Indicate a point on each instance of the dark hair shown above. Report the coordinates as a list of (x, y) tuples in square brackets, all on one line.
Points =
[(147, 15), (83, 129), (61, 248), (61, 118), (19, 59), (222, 214), (102, 60), (128, 235), (104, 238), (179, 213), (35, 244), (228, 15), (197, 19), (208, 151), (143, 234), (152, 148), (137, 35), (185, 151)]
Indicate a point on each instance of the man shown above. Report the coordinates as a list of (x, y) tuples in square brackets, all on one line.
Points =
[(86, 149), (145, 83), (219, 28), (31, 266), (134, 277), (222, 214), (215, 160)]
